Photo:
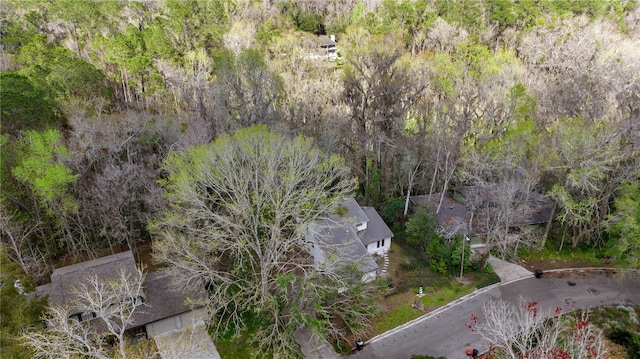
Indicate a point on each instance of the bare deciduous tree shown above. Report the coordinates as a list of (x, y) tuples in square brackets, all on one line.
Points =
[(15, 236), (591, 163), (521, 330), (247, 92), (238, 220), (380, 88), (111, 304), (64, 338), (239, 37), (587, 69)]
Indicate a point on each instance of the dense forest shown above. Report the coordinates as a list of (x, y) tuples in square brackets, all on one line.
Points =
[(425, 96)]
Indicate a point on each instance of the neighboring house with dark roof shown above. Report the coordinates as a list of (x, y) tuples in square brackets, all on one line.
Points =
[(164, 309), (354, 237), (455, 215)]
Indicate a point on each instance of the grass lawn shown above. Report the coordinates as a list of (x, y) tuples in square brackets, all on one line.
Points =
[(568, 253), (438, 289), (229, 348), (237, 346), (400, 310), (582, 255)]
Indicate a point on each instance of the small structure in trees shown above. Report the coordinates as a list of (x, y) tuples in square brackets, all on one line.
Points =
[(329, 46)]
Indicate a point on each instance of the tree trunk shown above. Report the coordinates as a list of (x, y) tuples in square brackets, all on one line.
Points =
[(411, 179), (548, 227)]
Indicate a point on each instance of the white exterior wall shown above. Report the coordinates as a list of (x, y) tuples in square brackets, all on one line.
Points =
[(361, 226), (373, 248)]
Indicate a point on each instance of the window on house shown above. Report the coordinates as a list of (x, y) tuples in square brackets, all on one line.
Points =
[(139, 300), (83, 317), (88, 315), (383, 242), (378, 244)]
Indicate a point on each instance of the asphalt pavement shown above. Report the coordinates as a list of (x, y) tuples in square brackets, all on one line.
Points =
[(444, 332)]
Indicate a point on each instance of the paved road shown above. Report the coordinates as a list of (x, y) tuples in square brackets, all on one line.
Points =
[(444, 332)]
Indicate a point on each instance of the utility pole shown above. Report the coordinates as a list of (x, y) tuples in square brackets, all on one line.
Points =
[(464, 239)]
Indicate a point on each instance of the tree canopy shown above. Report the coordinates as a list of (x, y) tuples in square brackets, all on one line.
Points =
[(108, 105), (239, 214)]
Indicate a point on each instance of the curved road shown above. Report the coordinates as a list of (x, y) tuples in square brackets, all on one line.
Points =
[(444, 332)]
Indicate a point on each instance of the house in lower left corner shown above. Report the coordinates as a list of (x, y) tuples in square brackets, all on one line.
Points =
[(165, 309), (353, 237)]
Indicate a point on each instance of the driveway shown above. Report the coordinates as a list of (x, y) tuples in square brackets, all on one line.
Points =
[(444, 332), (192, 342)]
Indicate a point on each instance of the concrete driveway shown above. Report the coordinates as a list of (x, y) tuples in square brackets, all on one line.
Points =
[(192, 342), (444, 332), (507, 271)]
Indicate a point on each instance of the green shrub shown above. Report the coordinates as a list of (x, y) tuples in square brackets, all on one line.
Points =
[(627, 339), (392, 210)]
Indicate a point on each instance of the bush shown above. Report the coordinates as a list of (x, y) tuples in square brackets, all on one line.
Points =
[(392, 210), (310, 22), (421, 232), (627, 339)]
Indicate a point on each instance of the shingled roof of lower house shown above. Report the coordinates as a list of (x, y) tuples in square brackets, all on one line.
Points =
[(454, 213), (65, 279), (164, 300), (161, 299)]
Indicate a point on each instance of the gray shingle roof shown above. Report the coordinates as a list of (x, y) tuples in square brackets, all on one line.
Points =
[(452, 211), (376, 228), (161, 299), (65, 279), (340, 245), (325, 41), (355, 215)]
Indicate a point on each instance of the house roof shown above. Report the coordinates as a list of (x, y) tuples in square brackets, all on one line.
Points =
[(542, 208), (161, 299), (65, 279), (340, 245), (325, 41), (376, 228), (454, 213), (539, 206), (355, 215)]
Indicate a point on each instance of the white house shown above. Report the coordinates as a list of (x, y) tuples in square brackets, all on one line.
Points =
[(328, 46), (376, 236), (351, 238)]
